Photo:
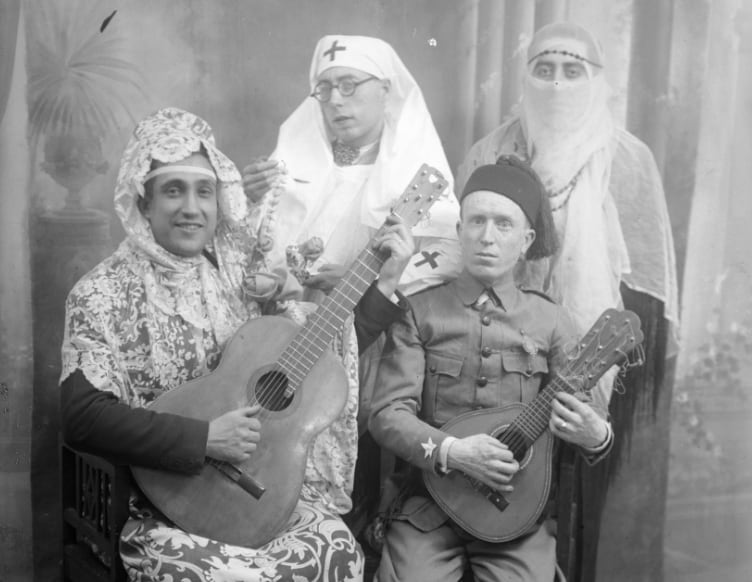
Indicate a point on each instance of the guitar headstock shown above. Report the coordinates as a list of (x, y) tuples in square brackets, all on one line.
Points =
[(608, 343), (426, 187)]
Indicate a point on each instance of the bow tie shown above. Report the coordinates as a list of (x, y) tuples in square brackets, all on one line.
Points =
[(344, 155)]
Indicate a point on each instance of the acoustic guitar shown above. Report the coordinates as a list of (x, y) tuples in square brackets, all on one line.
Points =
[(302, 388), (483, 511)]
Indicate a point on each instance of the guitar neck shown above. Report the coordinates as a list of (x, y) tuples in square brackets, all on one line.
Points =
[(321, 328), (533, 420), (307, 347)]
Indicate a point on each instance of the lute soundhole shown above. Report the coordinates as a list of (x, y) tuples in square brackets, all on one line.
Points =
[(519, 445)]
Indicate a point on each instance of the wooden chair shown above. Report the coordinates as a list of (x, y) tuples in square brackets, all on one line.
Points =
[(95, 508)]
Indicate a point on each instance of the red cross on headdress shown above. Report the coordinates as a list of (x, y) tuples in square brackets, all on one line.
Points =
[(331, 52)]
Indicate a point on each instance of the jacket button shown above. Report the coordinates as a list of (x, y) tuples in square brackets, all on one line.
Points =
[(485, 320), (485, 352), (432, 369), (482, 381)]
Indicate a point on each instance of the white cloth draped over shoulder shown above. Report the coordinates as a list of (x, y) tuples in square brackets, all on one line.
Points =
[(318, 198)]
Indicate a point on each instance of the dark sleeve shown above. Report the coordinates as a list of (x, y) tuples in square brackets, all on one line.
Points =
[(97, 422), (398, 397), (374, 313)]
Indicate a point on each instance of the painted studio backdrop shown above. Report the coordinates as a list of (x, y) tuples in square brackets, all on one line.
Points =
[(75, 76)]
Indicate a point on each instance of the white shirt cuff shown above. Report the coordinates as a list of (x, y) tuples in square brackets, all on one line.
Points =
[(602, 447), (444, 454)]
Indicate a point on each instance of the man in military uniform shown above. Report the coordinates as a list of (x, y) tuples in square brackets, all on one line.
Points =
[(477, 342)]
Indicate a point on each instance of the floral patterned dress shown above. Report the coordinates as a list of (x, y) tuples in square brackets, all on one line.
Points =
[(145, 321)]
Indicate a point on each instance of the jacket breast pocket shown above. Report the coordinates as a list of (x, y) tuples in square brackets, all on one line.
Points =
[(522, 376), (444, 395)]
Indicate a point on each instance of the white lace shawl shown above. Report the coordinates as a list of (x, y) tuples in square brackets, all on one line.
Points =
[(145, 321)]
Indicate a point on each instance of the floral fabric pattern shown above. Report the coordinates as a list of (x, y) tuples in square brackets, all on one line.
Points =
[(315, 546), (145, 321), (130, 336)]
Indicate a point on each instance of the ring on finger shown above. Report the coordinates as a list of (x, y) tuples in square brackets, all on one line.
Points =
[(563, 425)]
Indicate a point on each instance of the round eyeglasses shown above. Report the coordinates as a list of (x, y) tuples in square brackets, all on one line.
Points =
[(346, 87)]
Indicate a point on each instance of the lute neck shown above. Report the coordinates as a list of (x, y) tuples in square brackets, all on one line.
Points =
[(533, 420)]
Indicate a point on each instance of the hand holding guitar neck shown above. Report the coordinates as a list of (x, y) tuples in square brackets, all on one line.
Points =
[(576, 422), (394, 241)]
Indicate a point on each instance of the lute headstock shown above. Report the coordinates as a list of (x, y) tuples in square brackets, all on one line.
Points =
[(609, 342)]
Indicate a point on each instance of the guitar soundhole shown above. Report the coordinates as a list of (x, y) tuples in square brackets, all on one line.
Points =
[(526, 458), (523, 451), (271, 391)]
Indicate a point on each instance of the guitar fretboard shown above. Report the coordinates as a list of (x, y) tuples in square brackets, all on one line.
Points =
[(533, 420), (299, 357), (522, 432), (308, 346)]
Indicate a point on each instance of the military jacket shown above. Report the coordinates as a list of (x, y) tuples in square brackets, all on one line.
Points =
[(462, 347)]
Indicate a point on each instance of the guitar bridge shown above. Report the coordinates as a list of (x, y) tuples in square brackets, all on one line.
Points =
[(499, 501), (246, 482)]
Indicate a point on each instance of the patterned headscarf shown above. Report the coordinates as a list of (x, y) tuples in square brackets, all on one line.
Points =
[(145, 321), (144, 299), (168, 136)]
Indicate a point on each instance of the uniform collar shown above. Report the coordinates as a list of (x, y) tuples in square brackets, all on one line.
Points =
[(470, 289)]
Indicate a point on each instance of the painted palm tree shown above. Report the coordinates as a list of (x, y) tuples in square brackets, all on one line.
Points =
[(81, 89)]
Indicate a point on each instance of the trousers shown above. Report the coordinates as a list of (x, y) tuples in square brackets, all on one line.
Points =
[(436, 550)]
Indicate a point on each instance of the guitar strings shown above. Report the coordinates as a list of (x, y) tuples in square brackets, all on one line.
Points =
[(523, 422), (367, 255), (572, 379), (272, 394), (526, 421)]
